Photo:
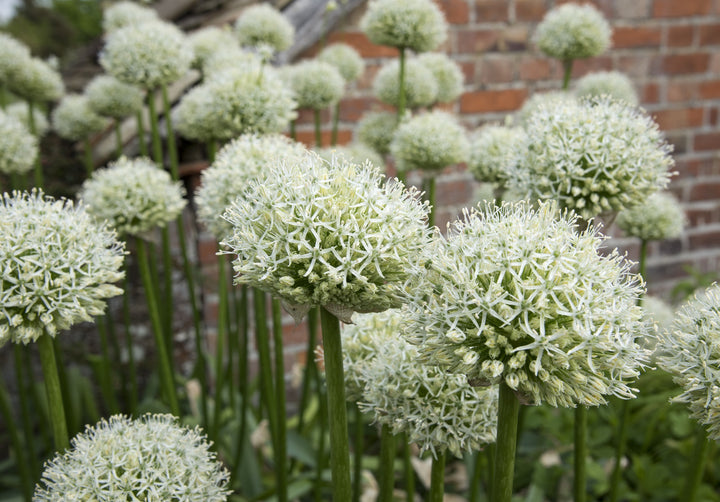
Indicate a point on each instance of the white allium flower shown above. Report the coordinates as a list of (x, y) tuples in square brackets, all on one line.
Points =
[(37, 81), (109, 97), (659, 315), (521, 295), (431, 141), (209, 40), (612, 83), (573, 31), (414, 24), (548, 99), (126, 13), (134, 195), (420, 86), (151, 458), (689, 350), (376, 129), (355, 152), (448, 75), (438, 411), (148, 55), (229, 57), (243, 159), (19, 111), (316, 84), (13, 54), (327, 233), (58, 266), (346, 59), (264, 24), (594, 157), (493, 150), (73, 118), (18, 147), (659, 217)]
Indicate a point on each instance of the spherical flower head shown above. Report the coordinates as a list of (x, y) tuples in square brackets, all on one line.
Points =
[(547, 99), (659, 315), (493, 150), (13, 54), (206, 41), (229, 57), (611, 83), (264, 24), (345, 58), (594, 157), (18, 147), (58, 266), (431, 141), (19, 111), (109, 97), (438, 411), (521, 295), (448, 75), (376, 129), (573, 31), (418, 25), (149, 458), (134, 195), (316, 84), (330, 234), (354, 152), (659, 217), (243, 159), (420, 85), (36, 81), (73, 118), (121, 14), (149, 54)]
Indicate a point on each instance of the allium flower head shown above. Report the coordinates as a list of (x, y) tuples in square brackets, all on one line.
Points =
[(134, 195), (493, 150), (346, 59), (125, 13), (264, 24), (109, 97), (150, 458), (612, 83), (37, 81), (148, 55), (659, 217), (316, 84), (594, 157), (430, 142), (376, 129), (329, 234), (414, 24), (13, 54), (19, 111), (520, 295), (58, 266), (229, 57), (573, 31), (354, 152), (73, 118), (420, 86), (547, 99), (244, 159), (206, 41), (18, 147), (448, 75)]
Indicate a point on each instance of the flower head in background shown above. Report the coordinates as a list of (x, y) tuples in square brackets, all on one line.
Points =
[(19, 111), (109, 97), (448, 75), (149, 458), (520, 295), (316, 84), (18, 147), (347, 60), (548, 99), (58, 266), (420, 86), (418, 25), (230, 57), (493, 150), (73, 118), (573, 31), (376, 129), (133, 195), (125, 13), (611, 83), (36, 81), (13, 54), (355, 152), (209, 40), (659, 315), (264, 24), (659, 217)]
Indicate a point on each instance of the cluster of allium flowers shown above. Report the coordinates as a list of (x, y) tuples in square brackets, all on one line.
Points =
[(594, 157), (438, 411), (316, 84), (547, 99), (430, 141), (134, 195), (522, 296), (209, 40), (615, 84), (110, 97), (244, 159), (493, 150), (148, 55), (659, 217), (332, 234), (19, 111), (354, 152), (150, 458), (420, 85), (35, 80), (346, 59), (264, 24), (13, 54), (573, 31), (18, 147), (74, 119), (58, 266), (229, 57), (414, 24), (376, 129), (125, 13), (448, 75)]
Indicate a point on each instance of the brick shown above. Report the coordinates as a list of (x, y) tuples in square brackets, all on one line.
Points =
[(679, 118), (709, 34), (351, 109), (454, 193), (709, 239), (632, 10), (456, 11), (363, 45), (685, 63), (514, 38), (632, 37), (678, 8), (308, 137), (638, 65), (678, 91), (680, 36), (650, 93), (492, 101), (477, 41), (707, 141), (530, 10), (713, 116), (534, 69), (495, 70), (490, 11), (468, 68), (584, 66)]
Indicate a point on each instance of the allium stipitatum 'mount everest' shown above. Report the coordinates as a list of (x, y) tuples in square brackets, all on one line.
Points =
[(520, 295), (418, 25)]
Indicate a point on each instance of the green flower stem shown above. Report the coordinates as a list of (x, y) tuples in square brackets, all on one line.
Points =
[(567, 72), (155, 131), (409, 472), (335, 123), (212, 150), (172, 148), (437, 478), (166, 375), (4, 97), (401, 88), (320, 456), (619, 449), (293, 132), (580, 453), (386, 475), (337, 415), (263, 348), (23, 396), (642, 265), (132, 370), (431, 199), (88, 158), (16, 444), (167, 298), (508, 410), (281, 441), (358, 440), (105, 366), (696, 468), (17, 182), (220, 343), (118, 139), (242, 381), (142, 141), (318, 129), (54, 393), (38, 172), (310, 367), (71, 418)]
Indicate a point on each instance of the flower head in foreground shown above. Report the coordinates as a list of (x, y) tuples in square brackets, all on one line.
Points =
[(264, 24), (414, 24), (448, 75), (612, 83), (58, 266), (347, 60), (150, 458), (547, 99), (354, 152), (420, 85), (431, 141), (125, 13), (660, 217), (19, 111), (493, 150), (18, 147), (13, 54), (109, 97), (520, 295), (206, 41), (594, 157), (376, 129), (134, 195), (573, 31), (332, 234), (316, 84), (689, 351), (73, 118), (36, 81), (438, 411)]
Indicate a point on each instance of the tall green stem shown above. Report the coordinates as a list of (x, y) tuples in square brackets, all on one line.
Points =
[(172, 148), (310, 368), (106, 365), (387, 464), (142, 140), (167, 298), (118, 139), (155, 131), (38, 172), (281, 441), (580, 455), (409, 472), (129, 346), (293, 132), (401, 87), (23, 396), (642, 265), (318, 129), (54, 394), (437, 478), (506, 445), (696, 468), (619, 450), (431, 199), (263, 348), (220, 344), (18, 450), (567, 72), (335, 123), (358, 440), (89, 167)]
